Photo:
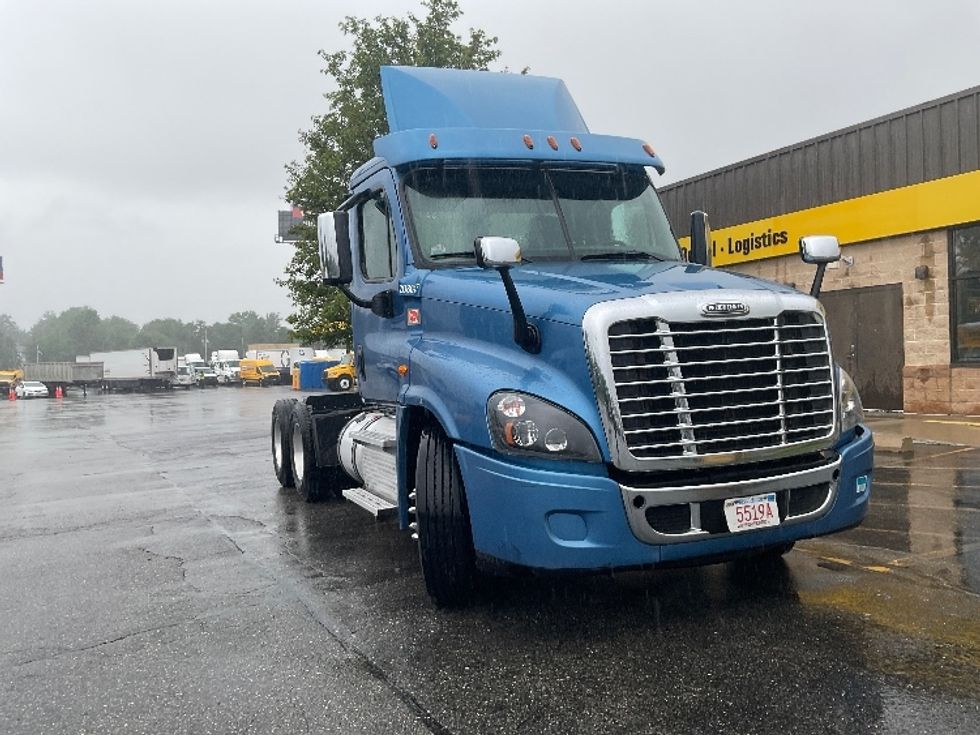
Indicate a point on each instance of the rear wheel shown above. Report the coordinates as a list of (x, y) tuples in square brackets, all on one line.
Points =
[(445, 539), (344, 383), (282, 413), (306, 476)]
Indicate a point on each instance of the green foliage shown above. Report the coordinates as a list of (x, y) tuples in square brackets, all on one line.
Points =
[(341, 139), (80, 331), (10, 339)]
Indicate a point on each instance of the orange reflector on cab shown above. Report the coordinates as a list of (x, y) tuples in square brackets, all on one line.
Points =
[(528, 142), (433, 141), (403, 370), (649, 150), (552, 142), (575, 143)]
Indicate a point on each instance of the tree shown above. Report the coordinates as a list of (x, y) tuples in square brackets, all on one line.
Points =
[(10, 339), (60, 337), (117, 334), (341, 139)]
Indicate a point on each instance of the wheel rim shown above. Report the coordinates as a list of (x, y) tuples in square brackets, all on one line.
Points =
[(298, 456), (277, 444)]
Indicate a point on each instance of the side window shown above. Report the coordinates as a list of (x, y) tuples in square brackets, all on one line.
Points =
[(377, 239), (964, 308)]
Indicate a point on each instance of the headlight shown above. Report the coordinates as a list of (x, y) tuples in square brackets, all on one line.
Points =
[(525, 425), (851, 410)]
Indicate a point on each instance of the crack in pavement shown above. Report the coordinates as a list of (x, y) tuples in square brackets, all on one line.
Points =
[(107, 642)]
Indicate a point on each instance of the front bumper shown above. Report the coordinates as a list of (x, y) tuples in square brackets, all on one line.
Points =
[(553, 519)]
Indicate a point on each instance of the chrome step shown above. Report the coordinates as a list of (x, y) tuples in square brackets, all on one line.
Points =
[(377, 506), (378, 439)]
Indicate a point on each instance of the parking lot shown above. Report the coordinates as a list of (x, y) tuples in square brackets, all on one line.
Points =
[(155, 578)]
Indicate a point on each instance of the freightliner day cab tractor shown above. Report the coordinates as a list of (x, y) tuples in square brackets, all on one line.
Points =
[(543, 379)]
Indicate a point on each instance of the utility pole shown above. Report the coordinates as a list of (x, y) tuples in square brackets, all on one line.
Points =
[(206, 358)]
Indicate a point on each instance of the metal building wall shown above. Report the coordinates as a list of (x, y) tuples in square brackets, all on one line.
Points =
[(932, 140)]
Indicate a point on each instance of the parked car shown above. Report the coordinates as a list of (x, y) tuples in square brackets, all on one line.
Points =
[(31, 389)]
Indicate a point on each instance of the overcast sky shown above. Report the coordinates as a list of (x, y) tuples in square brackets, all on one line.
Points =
[(142, 143)]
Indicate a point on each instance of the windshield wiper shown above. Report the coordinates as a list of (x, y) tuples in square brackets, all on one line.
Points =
[(464, 254), (461, 254), (622, 255)]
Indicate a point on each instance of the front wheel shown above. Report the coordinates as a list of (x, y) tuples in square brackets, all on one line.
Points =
[(445, 539), (344, 383)]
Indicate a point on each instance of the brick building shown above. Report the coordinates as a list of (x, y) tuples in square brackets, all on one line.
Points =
[(902, 194)]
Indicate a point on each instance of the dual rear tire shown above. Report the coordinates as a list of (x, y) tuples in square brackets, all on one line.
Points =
[(294, 451)]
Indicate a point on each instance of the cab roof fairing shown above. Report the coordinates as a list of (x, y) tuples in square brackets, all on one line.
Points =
[(484, 144), (446, 114)]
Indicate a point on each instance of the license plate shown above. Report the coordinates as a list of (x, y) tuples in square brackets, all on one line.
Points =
[(755, 511)]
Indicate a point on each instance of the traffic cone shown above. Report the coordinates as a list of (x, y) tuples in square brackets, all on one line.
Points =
[(58, 392), (12, 394)]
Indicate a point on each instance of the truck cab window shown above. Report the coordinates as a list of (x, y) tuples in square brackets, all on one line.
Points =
[(377, 239), (555, 214)]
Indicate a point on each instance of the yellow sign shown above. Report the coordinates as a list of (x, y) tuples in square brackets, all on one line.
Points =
[(928, 206)]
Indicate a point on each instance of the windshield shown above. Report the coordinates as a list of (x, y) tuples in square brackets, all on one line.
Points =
[(555, 214), (233, 363)]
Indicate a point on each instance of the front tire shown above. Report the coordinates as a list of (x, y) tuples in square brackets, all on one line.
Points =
[(445, 539), (344, 383)]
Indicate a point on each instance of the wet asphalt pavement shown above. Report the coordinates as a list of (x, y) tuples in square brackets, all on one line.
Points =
[(154, 578)]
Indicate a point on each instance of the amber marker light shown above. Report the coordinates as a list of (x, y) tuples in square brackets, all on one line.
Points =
[(552, 142), (403, 370), (576, 144), (529, 142), (649, 150), (433, 140)]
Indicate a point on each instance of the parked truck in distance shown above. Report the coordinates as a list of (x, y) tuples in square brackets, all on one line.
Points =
[(544, 380), (259, 372), (283, 358), (342, 375), (9, 379), (227, 366), (146, 368), (203, 373), (66, 375)]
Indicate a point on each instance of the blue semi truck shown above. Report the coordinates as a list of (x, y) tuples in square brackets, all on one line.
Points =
[(545, 379)]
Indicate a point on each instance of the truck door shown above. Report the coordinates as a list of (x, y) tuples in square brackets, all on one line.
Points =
[(380, 344)]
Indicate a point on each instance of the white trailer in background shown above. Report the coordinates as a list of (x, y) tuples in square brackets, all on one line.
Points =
[(146, 368), (65, 375)]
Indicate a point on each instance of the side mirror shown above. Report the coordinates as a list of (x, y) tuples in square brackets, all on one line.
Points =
[(700, 238), (333, 237), (497, 252), (819, 249), (502, 253)]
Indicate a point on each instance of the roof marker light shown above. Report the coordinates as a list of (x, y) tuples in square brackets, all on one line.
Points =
[(649, 150), (552, 142), (433, 141), (528, 142), (575, 143)]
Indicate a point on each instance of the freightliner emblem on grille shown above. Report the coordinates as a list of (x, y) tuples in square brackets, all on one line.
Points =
[(725, 308)]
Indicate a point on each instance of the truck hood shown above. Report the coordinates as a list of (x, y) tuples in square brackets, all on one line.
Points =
[(563, 292)]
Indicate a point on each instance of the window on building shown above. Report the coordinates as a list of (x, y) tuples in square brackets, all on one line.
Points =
[(377, 240), (964, 270)]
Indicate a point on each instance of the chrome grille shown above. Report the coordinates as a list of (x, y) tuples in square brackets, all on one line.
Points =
[(707, 387)]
